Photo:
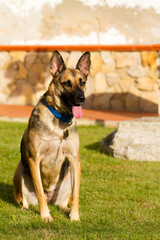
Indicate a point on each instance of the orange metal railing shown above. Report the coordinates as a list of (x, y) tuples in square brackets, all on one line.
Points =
[(154, 47)]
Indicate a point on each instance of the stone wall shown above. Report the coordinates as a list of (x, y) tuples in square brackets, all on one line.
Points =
[(117, 81)]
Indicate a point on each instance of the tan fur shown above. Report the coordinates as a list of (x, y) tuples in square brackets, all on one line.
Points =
[(49, 146)]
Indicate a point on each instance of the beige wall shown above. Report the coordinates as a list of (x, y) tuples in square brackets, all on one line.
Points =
[(72, 22), (117, 81)]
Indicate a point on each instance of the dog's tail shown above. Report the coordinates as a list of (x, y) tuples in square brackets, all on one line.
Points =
[(17, 183)]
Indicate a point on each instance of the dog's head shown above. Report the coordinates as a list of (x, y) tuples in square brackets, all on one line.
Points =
[(68, 84)]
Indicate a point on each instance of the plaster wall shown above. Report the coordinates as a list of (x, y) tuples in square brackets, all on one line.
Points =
[(63, 22)]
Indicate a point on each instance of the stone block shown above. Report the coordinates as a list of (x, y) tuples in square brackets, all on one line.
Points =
[(131, 102), (126, 84), (65, 56), (155, 87), (38, 60), (89, 87), (44, 57), (6, 81), (106, 56), (150, 96), (73, 59), (4, 59), (101, 101), (135, 91), (145, 84), (149, 58), (96, 63), (122, 73), (105, 69), (149, 101), (35, 74), (23, 95), (39, 87), (89, 102), (112, 79), (126, 59), (116, 89), (100, 83), (47, 79), (10, 73), (18, 55), (135, 140), (30, 59), (39, 94), (109, 65), (137, 71), (22, 72), (11, 64), (117, 102)]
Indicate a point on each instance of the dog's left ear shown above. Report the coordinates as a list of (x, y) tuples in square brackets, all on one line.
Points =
[(84, 63), (56, 64)]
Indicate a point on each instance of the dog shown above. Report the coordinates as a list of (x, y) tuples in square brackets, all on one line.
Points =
[(49, 170)]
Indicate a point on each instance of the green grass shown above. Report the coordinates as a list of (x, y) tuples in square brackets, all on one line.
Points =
[(119, 199)]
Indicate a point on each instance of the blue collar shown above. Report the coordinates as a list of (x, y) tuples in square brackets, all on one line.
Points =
[(58, 115)]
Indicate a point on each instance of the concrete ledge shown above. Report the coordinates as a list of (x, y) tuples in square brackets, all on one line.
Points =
[(80, 122), (13, 119)]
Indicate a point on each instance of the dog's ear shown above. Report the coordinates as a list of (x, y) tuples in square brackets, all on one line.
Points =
[(84, 63), (56, 64)]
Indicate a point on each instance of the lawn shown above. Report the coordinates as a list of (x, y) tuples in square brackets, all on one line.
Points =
[(119, 199)]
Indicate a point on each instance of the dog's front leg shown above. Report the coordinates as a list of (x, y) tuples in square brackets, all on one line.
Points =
[(36, 176), (75, 184)]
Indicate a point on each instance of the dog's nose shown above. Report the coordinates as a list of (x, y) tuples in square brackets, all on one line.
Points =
[(80, 98)]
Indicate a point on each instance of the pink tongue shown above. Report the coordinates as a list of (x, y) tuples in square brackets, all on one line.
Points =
[(77, 111)]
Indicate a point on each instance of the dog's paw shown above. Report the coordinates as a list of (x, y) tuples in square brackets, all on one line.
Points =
[(65, 209), (74, 216), (24, 208), (47, 219)]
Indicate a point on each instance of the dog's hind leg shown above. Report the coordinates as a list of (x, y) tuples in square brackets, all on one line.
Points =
[(24, 191), (62, 194)]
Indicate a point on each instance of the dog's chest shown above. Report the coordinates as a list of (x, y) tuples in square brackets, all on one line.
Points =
[(53, 151)]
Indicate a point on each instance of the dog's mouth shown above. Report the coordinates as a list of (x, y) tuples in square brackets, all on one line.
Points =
[(74, 102), (77, 107)]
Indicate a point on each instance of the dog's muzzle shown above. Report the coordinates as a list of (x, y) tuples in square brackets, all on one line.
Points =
[(79, 97)]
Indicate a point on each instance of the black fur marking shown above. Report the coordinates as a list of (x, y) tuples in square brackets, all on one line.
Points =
[(24, 158), (64, 169)]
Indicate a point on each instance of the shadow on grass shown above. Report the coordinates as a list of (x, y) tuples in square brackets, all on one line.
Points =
[(6, 193), (65, 212), (94, 146)]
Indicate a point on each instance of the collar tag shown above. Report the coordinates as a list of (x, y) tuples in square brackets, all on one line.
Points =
[(66, 134)]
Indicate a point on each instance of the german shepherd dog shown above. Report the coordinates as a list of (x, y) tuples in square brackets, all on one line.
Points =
[(49, 170)]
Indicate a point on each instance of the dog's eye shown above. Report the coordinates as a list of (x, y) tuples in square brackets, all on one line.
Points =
[(67, 83), (82, 83)]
